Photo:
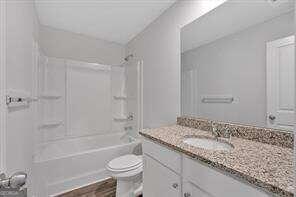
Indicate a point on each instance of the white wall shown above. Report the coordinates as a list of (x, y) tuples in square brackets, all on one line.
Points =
[(68, 45), (159, 47), (236, 65), (22, 29)]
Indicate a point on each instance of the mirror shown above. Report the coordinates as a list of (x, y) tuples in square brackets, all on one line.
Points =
[(237, 64)]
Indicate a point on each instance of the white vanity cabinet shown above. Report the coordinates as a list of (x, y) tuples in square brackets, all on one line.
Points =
[(160, 180), (212, 183), (162, 170), (168, 173)]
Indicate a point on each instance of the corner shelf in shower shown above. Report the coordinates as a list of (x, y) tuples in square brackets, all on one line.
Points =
[(120, 119), (51, 123), (50, 95)]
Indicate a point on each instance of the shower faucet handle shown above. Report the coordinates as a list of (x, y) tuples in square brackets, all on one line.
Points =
[(130, 116)]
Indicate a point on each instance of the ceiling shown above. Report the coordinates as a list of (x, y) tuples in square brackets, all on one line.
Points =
[(231, 17), (112, 20)]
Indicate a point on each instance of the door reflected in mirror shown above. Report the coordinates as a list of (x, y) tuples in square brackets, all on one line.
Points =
[(237, 65)]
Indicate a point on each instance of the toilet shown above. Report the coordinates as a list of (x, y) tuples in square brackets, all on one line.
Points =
[(127, 170)]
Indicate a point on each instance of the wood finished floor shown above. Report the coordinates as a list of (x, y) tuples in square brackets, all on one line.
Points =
[(105, 188)]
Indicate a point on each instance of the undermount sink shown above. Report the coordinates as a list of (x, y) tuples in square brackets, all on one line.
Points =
[(208, 143)]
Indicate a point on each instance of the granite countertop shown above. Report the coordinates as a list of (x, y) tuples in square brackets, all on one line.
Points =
[(267, 166)]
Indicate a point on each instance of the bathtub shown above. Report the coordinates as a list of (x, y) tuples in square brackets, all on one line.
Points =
[(68, 164)]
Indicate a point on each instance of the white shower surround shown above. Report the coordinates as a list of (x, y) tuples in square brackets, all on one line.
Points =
[(73, 163), (78, 88), (78, 99)]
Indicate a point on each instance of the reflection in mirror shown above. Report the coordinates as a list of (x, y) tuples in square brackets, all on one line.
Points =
[(238, 64)]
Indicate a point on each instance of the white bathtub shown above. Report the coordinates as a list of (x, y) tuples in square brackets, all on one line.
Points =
[(68, 164)]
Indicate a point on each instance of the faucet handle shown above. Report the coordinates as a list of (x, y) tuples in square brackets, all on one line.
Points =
[(130, 116), (214, 126), (215, 131), (227, 133)]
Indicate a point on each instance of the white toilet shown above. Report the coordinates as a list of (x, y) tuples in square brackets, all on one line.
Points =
[(127, 170)]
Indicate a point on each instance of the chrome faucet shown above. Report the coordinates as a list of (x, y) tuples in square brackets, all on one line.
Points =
[(130, 116), (215, 131), (227, 133)]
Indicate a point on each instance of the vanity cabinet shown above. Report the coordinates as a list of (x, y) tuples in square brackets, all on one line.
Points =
[(160, 180), (209, 182), (162, 170), (168, 173)]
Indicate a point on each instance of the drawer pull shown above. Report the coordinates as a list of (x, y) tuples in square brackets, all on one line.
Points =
[(187, 194), (175, 185)]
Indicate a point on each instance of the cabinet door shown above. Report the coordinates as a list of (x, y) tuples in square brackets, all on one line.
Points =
[(191, 190), (159, 181), (215, 183)]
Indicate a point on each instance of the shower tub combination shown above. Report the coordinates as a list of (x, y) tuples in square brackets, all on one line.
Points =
[(65, 165), (81, 128)]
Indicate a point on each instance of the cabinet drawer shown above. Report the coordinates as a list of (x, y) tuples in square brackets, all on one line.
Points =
[(167, 157), (215, 183)]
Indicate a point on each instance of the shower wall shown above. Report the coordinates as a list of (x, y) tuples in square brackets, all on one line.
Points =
[(133, 72), (68, 45), (79, 99)]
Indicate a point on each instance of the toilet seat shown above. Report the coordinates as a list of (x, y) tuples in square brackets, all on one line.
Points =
[(125, 163), (128, 174)]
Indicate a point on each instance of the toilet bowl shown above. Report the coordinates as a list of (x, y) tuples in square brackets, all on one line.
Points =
[(127, 170)]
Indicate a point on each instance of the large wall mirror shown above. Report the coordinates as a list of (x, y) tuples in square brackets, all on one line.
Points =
[(237, 64)]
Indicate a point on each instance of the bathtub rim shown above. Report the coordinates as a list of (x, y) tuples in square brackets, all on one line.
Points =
[(135, 141)]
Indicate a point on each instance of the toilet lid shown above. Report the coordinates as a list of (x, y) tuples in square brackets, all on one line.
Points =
[(125, 163)]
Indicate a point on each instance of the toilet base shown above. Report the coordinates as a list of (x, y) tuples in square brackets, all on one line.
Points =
[(124, 188), (128, 188)]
